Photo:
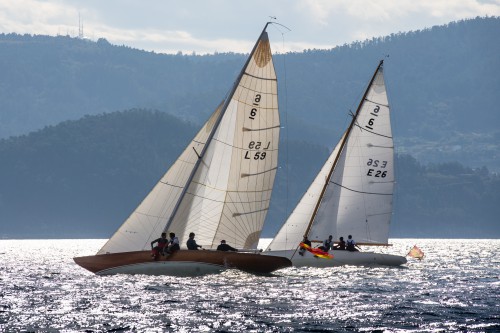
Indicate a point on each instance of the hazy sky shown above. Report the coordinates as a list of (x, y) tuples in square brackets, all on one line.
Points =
[(207, 26)]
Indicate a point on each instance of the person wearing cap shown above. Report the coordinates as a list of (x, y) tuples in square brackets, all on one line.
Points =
[(225, 247), (191, 243)]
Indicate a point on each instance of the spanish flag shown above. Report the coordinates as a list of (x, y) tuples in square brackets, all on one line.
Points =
[(317, 252)]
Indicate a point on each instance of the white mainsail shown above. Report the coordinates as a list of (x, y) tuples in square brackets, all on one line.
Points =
[(352, 194), (220, 187)]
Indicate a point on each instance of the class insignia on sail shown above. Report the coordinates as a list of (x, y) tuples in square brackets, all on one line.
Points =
[(263, 53)]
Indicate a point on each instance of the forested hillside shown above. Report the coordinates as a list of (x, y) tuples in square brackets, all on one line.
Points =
[(443, 86), (83, 178)]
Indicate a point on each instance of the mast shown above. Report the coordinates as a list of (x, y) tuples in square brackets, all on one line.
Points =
[(212, 133), (342, 145)]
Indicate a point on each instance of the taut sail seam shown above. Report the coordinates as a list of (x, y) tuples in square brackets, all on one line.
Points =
[(364, 129), (253, 212), (246, 129), (260, 78), (386, 105), (362, 192), (258, 173), (165, 183)]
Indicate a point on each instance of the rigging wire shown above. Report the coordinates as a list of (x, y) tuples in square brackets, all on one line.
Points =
[(394, 125), (279, 27)]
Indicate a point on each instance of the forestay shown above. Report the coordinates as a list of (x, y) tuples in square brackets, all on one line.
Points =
[(220, 187)]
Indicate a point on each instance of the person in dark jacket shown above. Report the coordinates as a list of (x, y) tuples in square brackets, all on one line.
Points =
[(327, 244), (191, 243), (340, 245), (160, 247), (173, 245), (307, 242), (351, 244), (225, 247)]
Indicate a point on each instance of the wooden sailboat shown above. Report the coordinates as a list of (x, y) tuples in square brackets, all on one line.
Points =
[(219, 188), (352, 194)]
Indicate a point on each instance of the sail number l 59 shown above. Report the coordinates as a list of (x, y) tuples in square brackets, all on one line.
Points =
[(257, 155)]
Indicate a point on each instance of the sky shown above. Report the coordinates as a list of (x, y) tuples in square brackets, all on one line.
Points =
[(209, 26)]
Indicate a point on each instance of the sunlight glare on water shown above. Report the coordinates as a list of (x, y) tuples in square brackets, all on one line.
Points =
[(454, 289)]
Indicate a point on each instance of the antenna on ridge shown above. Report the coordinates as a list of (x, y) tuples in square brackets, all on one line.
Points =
[(80, 27)]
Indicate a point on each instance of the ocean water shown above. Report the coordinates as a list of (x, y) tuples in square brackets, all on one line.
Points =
[(455, 288)]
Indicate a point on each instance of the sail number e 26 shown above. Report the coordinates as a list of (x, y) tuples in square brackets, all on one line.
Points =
[(376, 172)]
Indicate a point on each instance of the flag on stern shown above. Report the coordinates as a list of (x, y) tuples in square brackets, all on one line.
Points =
[(317, 252)]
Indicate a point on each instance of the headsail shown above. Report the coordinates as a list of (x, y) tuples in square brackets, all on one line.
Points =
[(220, 186), (294, 229), (148, 220), (352, 194)]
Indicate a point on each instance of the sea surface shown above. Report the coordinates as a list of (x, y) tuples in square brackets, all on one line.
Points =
[(455, 288)]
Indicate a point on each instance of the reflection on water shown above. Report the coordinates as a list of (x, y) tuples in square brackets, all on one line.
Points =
[(454, 289)]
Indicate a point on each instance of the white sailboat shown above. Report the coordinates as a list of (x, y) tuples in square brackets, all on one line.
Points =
[(219, 188), (352, 194)]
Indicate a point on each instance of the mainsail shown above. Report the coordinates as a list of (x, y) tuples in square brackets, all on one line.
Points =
[(352, 194), (220, 186)]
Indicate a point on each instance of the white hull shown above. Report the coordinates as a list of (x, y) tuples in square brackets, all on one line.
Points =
[(178, 268), (340, 258)]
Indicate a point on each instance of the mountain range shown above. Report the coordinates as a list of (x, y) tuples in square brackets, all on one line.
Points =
[(443, 85), (82, 178), (87, 127)]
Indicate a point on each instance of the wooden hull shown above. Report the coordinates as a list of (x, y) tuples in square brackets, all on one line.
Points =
[(341, 258), (181, 263)]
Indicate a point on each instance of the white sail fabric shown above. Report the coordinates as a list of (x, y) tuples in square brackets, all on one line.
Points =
[(358, 197), (294, 229), (358, 200), (229, 189), (230, 192), (148, 220)]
